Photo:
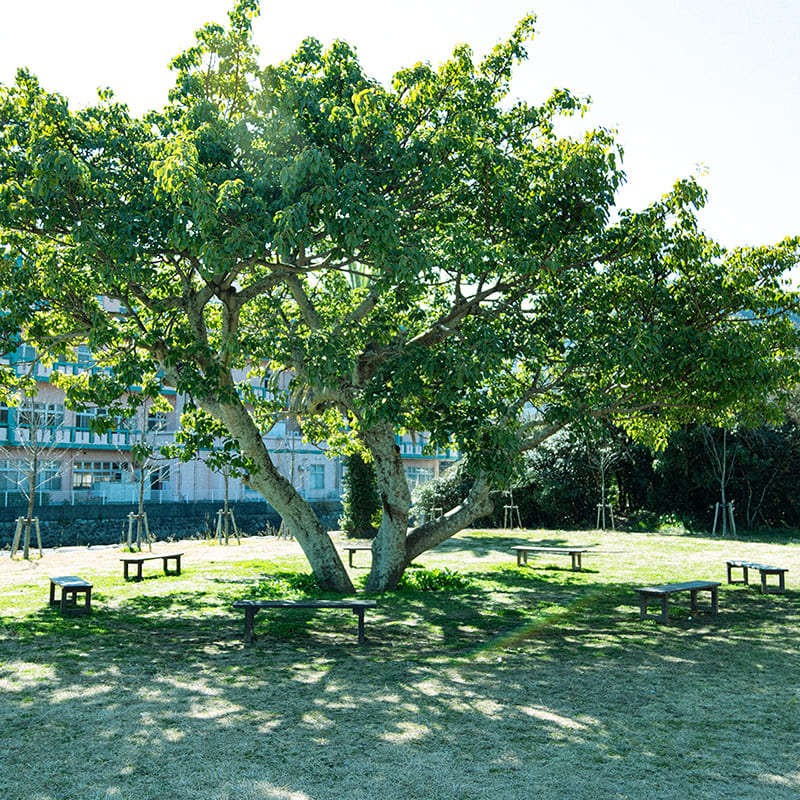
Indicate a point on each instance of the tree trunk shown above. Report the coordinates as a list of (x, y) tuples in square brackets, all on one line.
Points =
[(389, 555), (225, 525), (140, 518), (395, 546), (33, 475), (284, 498), (723, 483)]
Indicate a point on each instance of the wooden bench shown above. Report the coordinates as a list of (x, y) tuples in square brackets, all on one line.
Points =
[(71, 587), (764, 571), (140, 559), (252, 607), (664, 591), (353, 548), (522, 552)]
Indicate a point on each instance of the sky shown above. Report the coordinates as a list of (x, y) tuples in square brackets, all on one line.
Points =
[(704, 88)]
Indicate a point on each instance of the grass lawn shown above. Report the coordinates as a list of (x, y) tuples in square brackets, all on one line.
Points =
[(517, 683)]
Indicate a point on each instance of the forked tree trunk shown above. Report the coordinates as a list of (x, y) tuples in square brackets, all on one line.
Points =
[(306, 527), (395, 546), (389, 556)]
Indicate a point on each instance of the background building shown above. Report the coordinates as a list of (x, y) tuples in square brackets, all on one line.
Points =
[(76, 466)]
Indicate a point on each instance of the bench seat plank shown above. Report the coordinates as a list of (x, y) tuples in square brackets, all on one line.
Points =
[(575, 553), (71, 586), (251, 608), (664, 591)]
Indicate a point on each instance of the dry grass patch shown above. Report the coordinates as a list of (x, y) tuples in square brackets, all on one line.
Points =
[(524, 677)]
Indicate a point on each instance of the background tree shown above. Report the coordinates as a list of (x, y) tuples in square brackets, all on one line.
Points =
[(38, 432), (722, 458), (500, 296), (767, 469), (360, 501), (145, 419)]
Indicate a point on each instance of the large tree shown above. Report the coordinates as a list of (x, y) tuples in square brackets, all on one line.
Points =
[(428, 256)]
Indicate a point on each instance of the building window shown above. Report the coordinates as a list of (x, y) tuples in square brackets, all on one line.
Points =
[(158, 477), (418, 475), (40, 415), (14, 475), (156, 421), (316, 476), (83, 356), (85, 474), (83, 419), (25, 354)]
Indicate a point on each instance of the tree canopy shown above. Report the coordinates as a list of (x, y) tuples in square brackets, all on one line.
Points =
[(429, 256)]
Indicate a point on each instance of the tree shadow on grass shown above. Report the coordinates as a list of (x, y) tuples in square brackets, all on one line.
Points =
[(534, 681), (502, 542)]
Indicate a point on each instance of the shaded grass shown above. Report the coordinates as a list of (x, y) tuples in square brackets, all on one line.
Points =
[(523, 677), (494, 602)]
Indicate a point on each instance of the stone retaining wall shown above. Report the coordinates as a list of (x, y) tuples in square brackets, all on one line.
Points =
[(63, 526)]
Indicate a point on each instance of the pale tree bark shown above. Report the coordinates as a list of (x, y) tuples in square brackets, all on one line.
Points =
[(476, 505), (282, 495), (389, 557), (395, 546)]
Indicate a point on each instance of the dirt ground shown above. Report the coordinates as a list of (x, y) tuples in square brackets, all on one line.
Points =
[(105, 558)]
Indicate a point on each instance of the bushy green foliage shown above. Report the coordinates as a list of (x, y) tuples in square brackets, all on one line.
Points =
[(433, 580), (285, 585), (361, 505), (562, 487), (444, 492), (673, 488), (764, 465)]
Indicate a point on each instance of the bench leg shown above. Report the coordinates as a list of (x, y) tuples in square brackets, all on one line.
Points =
[(714, 600), (69, 597), (663, 616), (731, 579), (52, 594), (350, 558), (360, 613), (772, 588), (177, 570), (576, 561), (249, 623)]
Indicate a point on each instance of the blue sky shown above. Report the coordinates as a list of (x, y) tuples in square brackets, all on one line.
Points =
[(694, 87)]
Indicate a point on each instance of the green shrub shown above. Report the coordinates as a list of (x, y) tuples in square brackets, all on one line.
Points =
[(444, 492), (433, 580), (361, 506), (285, 585)]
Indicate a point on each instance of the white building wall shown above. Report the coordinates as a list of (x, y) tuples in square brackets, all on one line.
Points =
[(315, 475)]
